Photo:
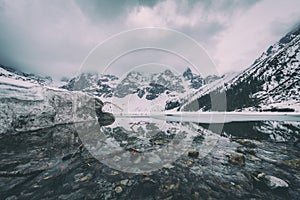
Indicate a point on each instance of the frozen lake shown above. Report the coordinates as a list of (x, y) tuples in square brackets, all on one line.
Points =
[(216, 117)]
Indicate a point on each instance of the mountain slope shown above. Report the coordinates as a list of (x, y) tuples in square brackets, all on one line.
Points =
[(10, 72), (271, 83)]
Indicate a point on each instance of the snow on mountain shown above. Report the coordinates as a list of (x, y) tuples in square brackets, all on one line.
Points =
[(139, 91), (271, 83), (212, 84), (30, 102), (93, 83), (10, 72), (26, 104), (195, 81)]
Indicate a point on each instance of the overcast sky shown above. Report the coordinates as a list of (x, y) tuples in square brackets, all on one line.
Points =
[(53, 37)]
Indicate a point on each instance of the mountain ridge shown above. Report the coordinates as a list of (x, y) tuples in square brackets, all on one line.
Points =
[(271, 83)]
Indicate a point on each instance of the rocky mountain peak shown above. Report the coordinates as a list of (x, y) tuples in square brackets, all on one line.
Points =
[(187, 74), (290, 36)]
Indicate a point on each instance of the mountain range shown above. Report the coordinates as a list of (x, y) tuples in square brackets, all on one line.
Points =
[(271, 83), (163, 88)]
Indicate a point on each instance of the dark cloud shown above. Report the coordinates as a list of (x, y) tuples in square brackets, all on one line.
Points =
[(99, 10), (53, 37), (109, 10)]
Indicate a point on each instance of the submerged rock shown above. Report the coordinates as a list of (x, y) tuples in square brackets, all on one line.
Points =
[(237, 159), (118, 189), (272, 182), (124, 182), (295, 163), (169, 187), (245, 150), (14, 197), (248, 143), (193, 154), (189, 163)]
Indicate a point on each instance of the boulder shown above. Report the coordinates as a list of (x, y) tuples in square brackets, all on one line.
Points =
[(105, 119)]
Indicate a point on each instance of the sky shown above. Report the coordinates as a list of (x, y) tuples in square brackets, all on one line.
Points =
[(55, 37)]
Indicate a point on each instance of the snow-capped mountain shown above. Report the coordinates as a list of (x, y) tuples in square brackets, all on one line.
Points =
[(271, 83), (147, 86), (93, 83), (10, 72), (145, 89)]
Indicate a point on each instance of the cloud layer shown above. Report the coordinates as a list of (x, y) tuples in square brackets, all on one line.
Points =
[(53, 37)]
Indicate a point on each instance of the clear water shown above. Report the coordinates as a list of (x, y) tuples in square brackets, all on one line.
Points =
[(52, 165)]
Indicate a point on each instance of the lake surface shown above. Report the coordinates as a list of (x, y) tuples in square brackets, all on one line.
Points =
[(146, 158)]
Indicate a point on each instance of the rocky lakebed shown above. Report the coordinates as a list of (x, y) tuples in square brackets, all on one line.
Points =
[(248, 160)]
